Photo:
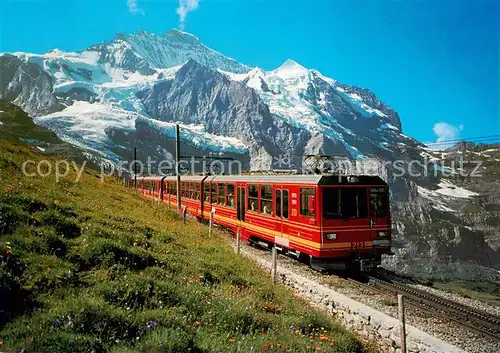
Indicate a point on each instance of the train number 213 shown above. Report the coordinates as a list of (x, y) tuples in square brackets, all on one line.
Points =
[(356, 245)]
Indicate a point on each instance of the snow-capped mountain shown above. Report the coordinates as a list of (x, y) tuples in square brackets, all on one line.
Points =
[(106, 81), (130, 91)]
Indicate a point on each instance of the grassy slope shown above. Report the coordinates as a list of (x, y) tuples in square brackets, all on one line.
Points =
[(481, 290), (16, 123), (90, 267)]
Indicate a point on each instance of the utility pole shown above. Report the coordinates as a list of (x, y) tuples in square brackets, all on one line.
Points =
[(178, 163), (135, 168)]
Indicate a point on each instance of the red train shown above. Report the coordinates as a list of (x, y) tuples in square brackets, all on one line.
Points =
[(335, 221)]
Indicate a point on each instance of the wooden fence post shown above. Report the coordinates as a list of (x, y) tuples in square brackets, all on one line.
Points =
[(211, 222), (402, 327), (274, 264), (184, 212), (238, 239)]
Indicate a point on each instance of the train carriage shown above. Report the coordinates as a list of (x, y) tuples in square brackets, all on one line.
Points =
[(336, 221)]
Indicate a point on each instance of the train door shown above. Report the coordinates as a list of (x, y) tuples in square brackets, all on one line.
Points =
[(281, 212), (379, 212), (240, 205)]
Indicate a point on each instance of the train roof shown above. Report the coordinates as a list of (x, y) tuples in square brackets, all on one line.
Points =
[(312, 179)]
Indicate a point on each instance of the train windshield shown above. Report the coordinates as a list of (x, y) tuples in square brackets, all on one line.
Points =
[(345, 203)]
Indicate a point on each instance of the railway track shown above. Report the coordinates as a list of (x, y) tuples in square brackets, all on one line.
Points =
[(477, 321), (474, 320)]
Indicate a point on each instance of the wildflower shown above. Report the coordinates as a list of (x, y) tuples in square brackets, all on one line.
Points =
[(9, 252), (198, 323), (318, 349), (266, 347), (58, 322)]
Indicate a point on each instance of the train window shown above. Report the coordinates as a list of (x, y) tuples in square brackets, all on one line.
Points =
[(206, 192), (192, 191), (278, 203), (354, 203), (214, 192), (230, 195), (196, 191), (344, 203), (332, 203), (285, 204), (174, 188), (266, 199), (253, 198), (222, 194), (305, 207), (378, 203)]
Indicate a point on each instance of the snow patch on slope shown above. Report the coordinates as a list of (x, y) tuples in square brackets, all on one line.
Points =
[(449, 189), (437, 203)]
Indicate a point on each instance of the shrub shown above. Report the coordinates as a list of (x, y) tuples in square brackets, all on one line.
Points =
[(47, 272), (11, 218), (137, 292), (107, 252), (63, 226)]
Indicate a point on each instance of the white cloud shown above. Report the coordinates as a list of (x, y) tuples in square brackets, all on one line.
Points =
[(445, 132), (134, 8), (186, 6)]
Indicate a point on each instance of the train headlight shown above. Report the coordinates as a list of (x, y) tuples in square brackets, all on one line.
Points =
[(331, 236), (352, 179), (382, 234)]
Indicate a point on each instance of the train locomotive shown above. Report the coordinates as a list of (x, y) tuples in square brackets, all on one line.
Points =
[(335, 222)]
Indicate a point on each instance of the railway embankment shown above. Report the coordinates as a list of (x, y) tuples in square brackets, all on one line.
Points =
[(373, 314), (369, 323)]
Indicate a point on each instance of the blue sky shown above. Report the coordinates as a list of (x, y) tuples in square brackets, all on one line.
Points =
[(436, 63)]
